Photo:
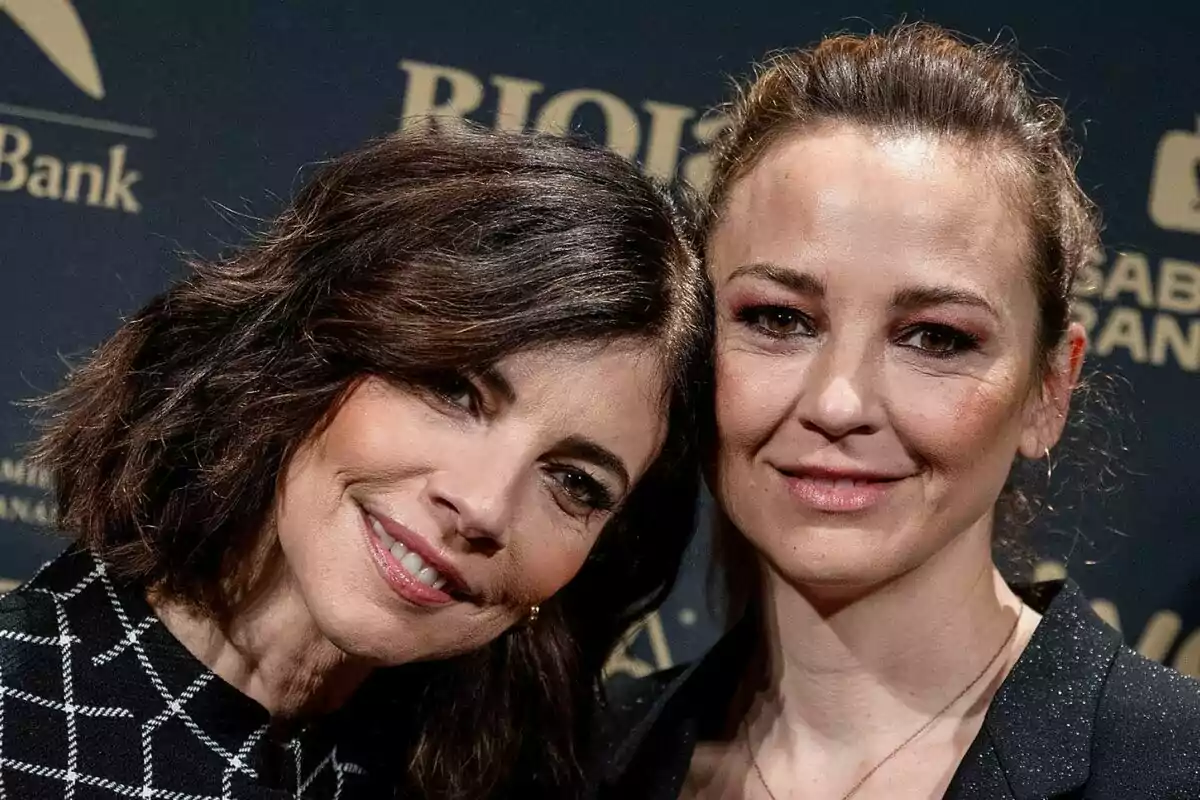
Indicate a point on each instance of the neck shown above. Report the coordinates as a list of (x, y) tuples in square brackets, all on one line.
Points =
[(853, 669), (270, 649)]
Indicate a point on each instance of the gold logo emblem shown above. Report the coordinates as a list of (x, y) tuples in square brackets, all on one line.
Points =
[(56, 28)]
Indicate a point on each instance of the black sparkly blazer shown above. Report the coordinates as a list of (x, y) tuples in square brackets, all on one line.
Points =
[(1079, 717)]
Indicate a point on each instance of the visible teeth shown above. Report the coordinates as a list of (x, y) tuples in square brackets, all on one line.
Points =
[(839, 483), (410, 561), (413, 563), (381, 533)]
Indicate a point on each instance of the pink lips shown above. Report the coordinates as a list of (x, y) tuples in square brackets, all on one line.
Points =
[(399, 579), (837, 491)]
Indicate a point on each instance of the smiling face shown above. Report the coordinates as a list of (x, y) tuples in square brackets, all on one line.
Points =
[(423, 524), (876, 353)]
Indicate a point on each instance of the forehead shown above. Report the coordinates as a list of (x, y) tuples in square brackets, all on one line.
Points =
[(613, 393), (841, 194), (574, 370)]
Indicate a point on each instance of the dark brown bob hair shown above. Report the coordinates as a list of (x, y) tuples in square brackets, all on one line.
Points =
[(429, 253)]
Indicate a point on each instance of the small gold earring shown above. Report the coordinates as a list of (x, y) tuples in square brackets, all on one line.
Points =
[(533, 613), (1049, 465)]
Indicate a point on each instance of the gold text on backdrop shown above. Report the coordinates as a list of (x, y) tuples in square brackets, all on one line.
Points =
[(1150, 316), (660, 134), (92, 175), (1175, 183), (49, 177)]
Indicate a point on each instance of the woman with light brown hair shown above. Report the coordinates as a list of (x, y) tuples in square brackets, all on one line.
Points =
[(893, 233), (360, 510)]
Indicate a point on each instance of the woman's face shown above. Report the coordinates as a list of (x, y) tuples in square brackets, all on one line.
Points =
[(420, 525), (875, 353)]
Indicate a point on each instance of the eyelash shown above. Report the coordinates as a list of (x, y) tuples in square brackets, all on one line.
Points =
[(960, 341), (753, 316), (593, 496), (450, 386)]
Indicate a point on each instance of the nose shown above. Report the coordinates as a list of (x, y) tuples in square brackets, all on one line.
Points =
[(474, 498), (839, 393)]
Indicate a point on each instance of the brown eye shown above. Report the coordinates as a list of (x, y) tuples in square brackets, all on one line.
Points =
[(582, 489), (457, 389), (938, 340), (777, 321)]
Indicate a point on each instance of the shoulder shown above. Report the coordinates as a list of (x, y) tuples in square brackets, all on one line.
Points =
[(627, 695), (1147, 736), (651, 725), (683, 694), (631, 702), (1144, 697), (28, 622), (635, 750), (25, 612), (33, 616)]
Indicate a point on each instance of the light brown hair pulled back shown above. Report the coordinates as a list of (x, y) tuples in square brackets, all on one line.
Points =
[(919, 79)]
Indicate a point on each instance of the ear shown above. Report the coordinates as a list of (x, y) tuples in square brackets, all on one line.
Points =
[(1046, 414)]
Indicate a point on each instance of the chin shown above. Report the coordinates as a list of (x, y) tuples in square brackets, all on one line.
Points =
[(358, 624), (842, 574), (355, 628), (384, 635), (837, 558), (356, 611)]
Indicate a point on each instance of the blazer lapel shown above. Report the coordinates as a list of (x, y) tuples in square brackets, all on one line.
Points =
[(1036, 739)]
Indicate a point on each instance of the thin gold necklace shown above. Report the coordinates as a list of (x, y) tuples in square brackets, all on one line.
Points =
[(854, 789)]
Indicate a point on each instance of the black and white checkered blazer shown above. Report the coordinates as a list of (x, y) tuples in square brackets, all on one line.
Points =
[(99, 701)]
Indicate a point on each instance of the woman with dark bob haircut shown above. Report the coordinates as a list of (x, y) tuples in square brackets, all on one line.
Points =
[(360, 511)]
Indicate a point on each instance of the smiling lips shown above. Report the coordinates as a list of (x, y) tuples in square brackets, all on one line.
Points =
[(409, 565), (408, 559), (838, 491)]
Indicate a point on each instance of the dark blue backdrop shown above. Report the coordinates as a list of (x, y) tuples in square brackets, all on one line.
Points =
[(125, 125)]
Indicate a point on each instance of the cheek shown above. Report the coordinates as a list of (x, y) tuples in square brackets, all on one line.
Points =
[(309, 499), (376, 425), (552, 568), (752, 397), (959, 422), (552, 552)]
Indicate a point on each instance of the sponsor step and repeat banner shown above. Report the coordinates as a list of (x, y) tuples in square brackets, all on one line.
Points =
[(132, 131)]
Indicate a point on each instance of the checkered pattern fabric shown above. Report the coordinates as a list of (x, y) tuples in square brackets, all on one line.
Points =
[(99, 701)]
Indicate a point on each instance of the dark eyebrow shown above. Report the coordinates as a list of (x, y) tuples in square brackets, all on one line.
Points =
[(909, 299), (571, 447), (799, 282), (587, 450), (917, 297)]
